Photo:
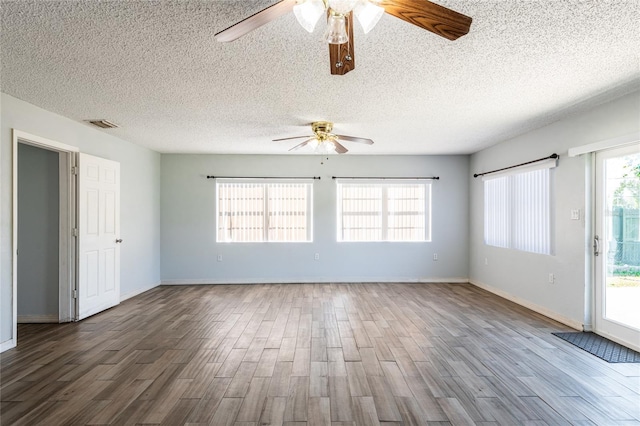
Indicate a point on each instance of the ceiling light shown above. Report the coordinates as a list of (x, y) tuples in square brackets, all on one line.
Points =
[(342, 7), (336, 30), (324, 147), (368, 14), (308, 12)]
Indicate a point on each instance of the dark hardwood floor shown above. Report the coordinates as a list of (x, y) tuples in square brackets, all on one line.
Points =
[(312, 354)]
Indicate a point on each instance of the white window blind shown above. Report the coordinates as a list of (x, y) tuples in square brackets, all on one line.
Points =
[(264, 211), (517, 210), (376, 211)]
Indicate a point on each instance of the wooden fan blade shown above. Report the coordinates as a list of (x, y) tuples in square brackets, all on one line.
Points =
[(295, 137), (340, 149), (430, 16), (339, 53), (255, 21), (300, 145), (354, 139)]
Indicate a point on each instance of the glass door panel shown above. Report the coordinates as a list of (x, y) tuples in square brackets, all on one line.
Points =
[(617, 298)]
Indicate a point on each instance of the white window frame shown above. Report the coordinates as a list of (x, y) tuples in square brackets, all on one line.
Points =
[(265, 209), (384, 184), (513, 233)]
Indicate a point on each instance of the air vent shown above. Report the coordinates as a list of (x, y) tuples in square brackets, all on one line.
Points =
[(103, 124)]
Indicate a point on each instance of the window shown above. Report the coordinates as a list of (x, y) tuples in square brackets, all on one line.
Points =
[(517, 210), (250, 211), (376, 211)]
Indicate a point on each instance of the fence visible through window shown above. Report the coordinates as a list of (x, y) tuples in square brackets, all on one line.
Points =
[(260, 212), (384, 211)]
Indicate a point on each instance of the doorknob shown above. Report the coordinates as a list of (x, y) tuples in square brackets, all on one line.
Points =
[(119, 240)]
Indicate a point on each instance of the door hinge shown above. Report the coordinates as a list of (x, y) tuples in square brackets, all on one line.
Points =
[(74, 170), (75, 294), (74, 232)]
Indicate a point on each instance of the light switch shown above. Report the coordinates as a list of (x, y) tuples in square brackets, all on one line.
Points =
[(575, 214)]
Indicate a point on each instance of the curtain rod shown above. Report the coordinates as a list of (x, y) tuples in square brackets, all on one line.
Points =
[(264, 177), (385, 178), (554, 155)]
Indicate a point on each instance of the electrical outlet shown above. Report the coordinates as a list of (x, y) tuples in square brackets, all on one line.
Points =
[(552, 278), (316, 256), (435, 256), (486, 261), (219, 258)]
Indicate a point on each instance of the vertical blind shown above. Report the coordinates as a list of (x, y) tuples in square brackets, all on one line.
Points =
[(255, 212), (383, 211), (517, 211)]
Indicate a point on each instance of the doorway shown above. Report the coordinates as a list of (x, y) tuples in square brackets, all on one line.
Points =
[(38, 234), (617, 263), (88, 232), (65, 280)]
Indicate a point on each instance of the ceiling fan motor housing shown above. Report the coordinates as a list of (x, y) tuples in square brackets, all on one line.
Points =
[(322, 126)]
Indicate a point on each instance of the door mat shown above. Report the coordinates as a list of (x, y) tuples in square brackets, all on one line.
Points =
[(601, 347)]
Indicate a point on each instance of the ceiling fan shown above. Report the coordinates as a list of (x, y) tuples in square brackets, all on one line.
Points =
[(324, 141), (339, 34)]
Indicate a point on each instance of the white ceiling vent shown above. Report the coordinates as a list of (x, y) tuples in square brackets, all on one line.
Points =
[(103, 124)]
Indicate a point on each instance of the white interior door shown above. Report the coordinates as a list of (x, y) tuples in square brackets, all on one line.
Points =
[(98, 235), (617, 292)]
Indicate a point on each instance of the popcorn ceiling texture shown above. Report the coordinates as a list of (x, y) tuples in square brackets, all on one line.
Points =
[(154, 68)]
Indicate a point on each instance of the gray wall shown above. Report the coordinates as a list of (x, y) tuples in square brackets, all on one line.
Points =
[(189, 249), (38, 228), (140, 195), (187, 209), (524, 276)]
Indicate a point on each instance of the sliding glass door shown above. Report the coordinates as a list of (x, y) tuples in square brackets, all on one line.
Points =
[(617, 295)]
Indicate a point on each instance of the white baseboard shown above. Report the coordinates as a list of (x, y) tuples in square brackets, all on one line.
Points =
[(314, 280), (536, 308), (38, 319), (137, 291), (8, 344)]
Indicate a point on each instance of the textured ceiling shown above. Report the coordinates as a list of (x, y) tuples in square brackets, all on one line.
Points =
[(154, 68)]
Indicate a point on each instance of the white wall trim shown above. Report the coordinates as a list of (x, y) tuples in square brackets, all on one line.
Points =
[(8, 344), (137, 291), (41, 142), (606, 144), (336, 280), (14, 234), (38, 319), (577, 325)]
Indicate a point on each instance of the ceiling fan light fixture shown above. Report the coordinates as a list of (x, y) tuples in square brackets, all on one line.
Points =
[(308, 12), (324, 147), (368, 14), (336, 30), (342, 7)]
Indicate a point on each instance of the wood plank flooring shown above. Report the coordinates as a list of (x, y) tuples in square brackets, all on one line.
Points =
[(312, 354)]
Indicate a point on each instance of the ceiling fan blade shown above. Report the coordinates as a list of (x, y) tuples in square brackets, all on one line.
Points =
[(339, 53), (354, 139), (255, 21), (340, 149), (430, 16), (300, 145), (295, 137)]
